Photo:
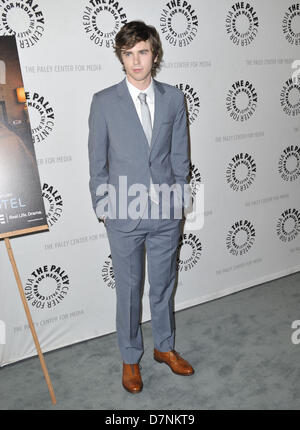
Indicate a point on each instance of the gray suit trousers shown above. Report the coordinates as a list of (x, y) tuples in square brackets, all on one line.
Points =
[(160, 238)]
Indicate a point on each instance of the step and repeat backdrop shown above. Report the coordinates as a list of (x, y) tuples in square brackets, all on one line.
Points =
[(236, 63)]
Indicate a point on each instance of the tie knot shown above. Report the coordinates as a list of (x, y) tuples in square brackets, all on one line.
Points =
[(142, 97)]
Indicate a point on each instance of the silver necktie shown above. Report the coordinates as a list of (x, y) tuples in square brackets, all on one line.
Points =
[(146, 116), (147, 126)]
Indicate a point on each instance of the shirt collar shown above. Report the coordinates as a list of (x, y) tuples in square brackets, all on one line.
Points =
[(134, 92)]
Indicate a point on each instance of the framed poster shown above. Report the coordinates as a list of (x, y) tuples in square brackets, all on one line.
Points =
[(22, 208)]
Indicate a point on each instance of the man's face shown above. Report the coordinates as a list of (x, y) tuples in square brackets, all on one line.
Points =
[(138, 62)]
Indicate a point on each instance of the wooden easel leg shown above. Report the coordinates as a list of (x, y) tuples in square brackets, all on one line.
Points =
[(30, 322)]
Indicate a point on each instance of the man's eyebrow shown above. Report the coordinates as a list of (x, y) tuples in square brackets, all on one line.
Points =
[(140, 50)]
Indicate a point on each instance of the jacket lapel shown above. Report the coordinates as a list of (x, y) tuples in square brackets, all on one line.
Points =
[(158, 111)]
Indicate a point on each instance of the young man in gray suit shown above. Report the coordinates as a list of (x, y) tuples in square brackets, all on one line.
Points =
[(138, 141)]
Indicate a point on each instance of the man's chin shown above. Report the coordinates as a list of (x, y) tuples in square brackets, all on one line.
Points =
[(139, 76)]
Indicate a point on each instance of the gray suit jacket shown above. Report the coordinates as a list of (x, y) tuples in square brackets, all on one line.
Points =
[(118, 146)]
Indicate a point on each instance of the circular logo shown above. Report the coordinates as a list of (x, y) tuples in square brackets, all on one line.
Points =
[(179, 23), (241, 100), (196, 180), (242, 24), (190, 252), (289, 163), (107, 273), (288, 225), (53, 204), (290, 24), (102, 20), (240, 237), (24, 19), (41, 116), (290, 97), (47, 287), (193, 102), (241, 172)]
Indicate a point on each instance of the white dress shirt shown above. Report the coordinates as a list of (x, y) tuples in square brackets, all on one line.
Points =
[(134, 92)]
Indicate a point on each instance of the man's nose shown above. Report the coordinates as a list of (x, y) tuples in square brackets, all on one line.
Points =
[(136, 59)]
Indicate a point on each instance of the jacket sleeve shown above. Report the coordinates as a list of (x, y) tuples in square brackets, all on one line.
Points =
[(180, 152), (98, 149)]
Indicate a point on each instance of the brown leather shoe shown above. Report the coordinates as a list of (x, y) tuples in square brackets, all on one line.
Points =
[(177, 364), (132, 380)]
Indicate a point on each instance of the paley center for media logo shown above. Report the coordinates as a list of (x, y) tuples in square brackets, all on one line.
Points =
[(24, 19), (107, 273), (102, 19), (240, 237), (289, 163), (289, 28), (288, 225), (190, 252), (41, 116), (53, 203), (47, 286), (179, 23), (241, 172), (289, 95), (242, 23), (241, 100), (193, 101)]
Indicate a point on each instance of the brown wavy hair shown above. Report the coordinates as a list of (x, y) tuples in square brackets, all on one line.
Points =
[(134, 32)]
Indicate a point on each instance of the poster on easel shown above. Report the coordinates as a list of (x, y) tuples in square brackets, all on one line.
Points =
[(21, 203), (22, 208)]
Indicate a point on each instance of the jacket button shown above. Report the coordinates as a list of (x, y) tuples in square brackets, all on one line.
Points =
[(150, 163)]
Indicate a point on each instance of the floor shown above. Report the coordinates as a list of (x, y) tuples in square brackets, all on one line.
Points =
[(240, 346)]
